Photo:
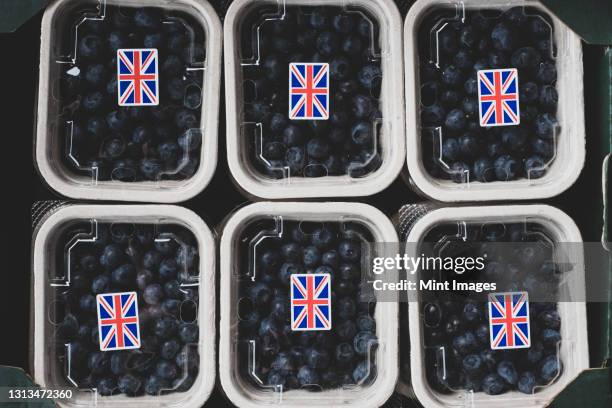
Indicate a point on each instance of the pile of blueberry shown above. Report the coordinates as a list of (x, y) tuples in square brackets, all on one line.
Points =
[(345, 144), (153, 263), (519, 38), (131, 143), (308, 359), (458, 322)]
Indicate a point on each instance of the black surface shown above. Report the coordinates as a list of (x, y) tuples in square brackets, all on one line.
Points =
[(23, 186)]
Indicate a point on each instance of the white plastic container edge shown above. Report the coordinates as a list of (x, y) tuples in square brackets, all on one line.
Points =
[(205, 381), (574, 350), (392, 97), (170, 191), (571, 151), (386, 314)]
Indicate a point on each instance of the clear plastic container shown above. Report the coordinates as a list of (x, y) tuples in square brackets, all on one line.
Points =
[(92, 144), (163, 254), (354, 144), (441, 371), (262, 360), (454, 154)]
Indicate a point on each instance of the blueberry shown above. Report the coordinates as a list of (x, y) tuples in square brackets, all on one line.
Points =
[(460, 172), (550, 319), (528, 92), (168, 151), (468, 37), (527, 382), (168, 269), (151, 168), (506, 168), (463, 59), (129, 384), (352, 45), (307, 376), (361, 372), (100, 284), (165, 327), (156, 384), (484, 170), (318, 148), (87, 303), (186, 119), (546, 126), (433, 115), (169, 349), (151, 259), (514, 138), (98, 363), (507, 372), (311, 256), (317, 359), (472, 364), (498, 59), (343, 23), (124, 275), (95, 74), (546, 72), (363, 342), (90, 46), (525, 57), (447, 42), (93, 101), (370, 77), (328, 43), (455, 120), (362, 134), (259, 293), (471, 86), (548, 98), (503, 38), (172, 66), (153, 294), (450, 149), (452, 76), (147, 18), (166, 370), (465, 343), (539, 27), (362, 106), (349, 251), (549, 368), (171, 307), (295, 158), (106, 386), (550, 337), (534, 167), (493, 384)]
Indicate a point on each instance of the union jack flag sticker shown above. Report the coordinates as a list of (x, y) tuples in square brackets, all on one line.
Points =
[(509, 320), (308, 91), (498, 97), (310, 302), (118, 325), (138, 77)]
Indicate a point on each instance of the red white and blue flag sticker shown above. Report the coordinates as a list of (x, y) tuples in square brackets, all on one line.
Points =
[(308, 91), (498, 97), (509, 320), (311, 302), (118, 325), (138, 77)]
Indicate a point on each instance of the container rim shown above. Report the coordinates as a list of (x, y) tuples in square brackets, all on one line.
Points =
[(575, 312), (553, 183), (151, 191), (200, 391), (386, 313), (329, 186)]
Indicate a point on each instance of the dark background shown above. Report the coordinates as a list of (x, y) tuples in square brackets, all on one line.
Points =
[(24, 187)]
